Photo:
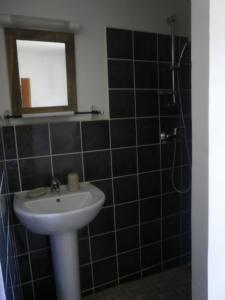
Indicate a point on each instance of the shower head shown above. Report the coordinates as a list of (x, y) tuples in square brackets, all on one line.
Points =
[(171, 19)]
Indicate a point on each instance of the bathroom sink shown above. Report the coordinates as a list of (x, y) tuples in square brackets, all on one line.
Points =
[(56, 213)]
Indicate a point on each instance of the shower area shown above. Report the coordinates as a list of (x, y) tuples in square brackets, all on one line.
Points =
[(139, 246), (150, 89)]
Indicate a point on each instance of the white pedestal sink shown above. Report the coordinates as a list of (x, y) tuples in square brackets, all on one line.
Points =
[(60, 215)]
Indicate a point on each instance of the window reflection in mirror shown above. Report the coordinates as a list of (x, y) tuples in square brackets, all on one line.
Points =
[(42, 73)]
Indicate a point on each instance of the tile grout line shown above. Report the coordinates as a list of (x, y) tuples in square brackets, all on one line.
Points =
[(160, 154), (29, 259), (137, 161), (17, 158), (114, 204), (82, 152), (50, 148), (88, 226)]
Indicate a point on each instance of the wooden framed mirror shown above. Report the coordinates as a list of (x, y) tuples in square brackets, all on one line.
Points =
[(41, 67)]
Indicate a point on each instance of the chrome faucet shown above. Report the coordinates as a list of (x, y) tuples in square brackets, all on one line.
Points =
[(55, 185)]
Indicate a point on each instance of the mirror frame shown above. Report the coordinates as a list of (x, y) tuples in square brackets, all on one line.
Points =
[(13, 34)]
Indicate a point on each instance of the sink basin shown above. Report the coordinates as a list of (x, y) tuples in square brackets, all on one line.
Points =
[(57, 213), (60, 215)]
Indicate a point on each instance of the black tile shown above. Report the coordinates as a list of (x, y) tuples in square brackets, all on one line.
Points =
[(173, 263), (24, 268), (37, 241), (186, 243), (32, 140), (35, 172), (41, 258), (20, 239), (164, 47), (148, 131), (127, 239), (124, 161), (65, 137), (119, 43), (171, 226), (167, 106), (107, 285), (152, 270), (103, 222), (185, 77), (45, 289), (171, 155), (1, 145), (121, 104), (97, 165), (149, 158), (186, 201), (13, 176), (186, 102), (104, 271), (186, 222), (95, 135), (150, 232), (106, 187), (120, 74), (170, 204), (171, 248), (84, 251), (169, 123), (83, 232), (149, 184), (27, 291), (145, 46), (171, 180), (127, 215), (188, 126), (129, 263), (125, 189), (9, 142), (123, 133), (65, 164), (103, 246), (130, 278), (147, 103), (151, 255), (150, 209), (165, 76), (146, 75), (86, 277)]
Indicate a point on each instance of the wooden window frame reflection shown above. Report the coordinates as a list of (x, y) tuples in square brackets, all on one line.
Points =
[(13, 34)]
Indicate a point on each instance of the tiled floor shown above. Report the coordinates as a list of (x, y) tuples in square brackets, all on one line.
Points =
[(174, 284)]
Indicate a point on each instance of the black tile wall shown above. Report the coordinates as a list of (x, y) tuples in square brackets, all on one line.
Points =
[(121, 104), (38, 134), (144, 226)]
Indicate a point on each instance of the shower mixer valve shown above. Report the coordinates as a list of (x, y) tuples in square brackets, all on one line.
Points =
[(165, 136)]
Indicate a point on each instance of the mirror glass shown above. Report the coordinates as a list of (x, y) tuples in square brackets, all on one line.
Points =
[(42, 73)]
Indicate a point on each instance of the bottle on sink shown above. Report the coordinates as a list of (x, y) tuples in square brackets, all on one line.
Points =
[(73, 182)]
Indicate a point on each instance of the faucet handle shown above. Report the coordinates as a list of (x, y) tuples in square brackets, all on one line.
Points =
[(55, 184)]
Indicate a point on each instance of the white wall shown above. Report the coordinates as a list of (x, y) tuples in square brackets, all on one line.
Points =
[(200, 109), (94, 16), (208, 196), (216, 254)]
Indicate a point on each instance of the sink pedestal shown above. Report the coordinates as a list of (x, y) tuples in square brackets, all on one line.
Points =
[(66, 265)]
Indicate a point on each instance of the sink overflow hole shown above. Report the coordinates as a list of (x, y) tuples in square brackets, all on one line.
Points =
[(58, 200)]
